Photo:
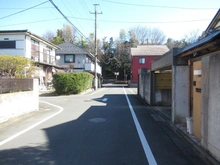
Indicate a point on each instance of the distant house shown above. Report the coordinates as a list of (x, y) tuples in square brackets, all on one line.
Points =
[(76, 59), (141, 57), (31, 46)]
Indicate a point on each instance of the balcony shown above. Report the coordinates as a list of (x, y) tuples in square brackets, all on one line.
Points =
[(45, 59), (90, 67)]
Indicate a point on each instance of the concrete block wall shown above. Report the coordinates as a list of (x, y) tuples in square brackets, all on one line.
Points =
[(180, 94), (147, 88), (163, 97), (19, 103), (211, 104)]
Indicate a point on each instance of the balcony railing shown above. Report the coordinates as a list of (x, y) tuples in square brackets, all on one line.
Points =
[(91, 68), (48, 59)]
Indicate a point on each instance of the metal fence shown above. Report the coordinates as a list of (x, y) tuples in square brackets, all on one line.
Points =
[(15, 85)]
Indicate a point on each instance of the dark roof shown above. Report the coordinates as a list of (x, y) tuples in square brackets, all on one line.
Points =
[(209, 38), (214, 21), (13, 31), (70, 48), (28, 33)]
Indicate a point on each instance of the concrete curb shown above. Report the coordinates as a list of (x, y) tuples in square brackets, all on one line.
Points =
[(206, 156)]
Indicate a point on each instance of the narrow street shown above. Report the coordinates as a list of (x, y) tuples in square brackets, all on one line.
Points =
[(110, 126)]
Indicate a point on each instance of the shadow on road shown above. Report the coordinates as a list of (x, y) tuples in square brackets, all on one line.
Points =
[(102, 135)]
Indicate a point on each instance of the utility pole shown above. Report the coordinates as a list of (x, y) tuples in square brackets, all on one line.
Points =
[(96, 78)]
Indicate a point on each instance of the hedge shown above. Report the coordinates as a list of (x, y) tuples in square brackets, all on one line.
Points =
[(72, 83)]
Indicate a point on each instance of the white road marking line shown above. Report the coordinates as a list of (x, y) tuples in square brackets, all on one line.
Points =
[(145, 145), (33, 126), (132, 91)]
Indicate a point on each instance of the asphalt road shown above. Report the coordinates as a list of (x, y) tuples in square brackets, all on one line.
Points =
[(110, 126)]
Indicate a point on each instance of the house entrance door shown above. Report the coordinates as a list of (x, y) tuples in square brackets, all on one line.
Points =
[(197, 66)]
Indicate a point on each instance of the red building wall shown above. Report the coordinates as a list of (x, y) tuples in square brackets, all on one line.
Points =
[(135, 66)]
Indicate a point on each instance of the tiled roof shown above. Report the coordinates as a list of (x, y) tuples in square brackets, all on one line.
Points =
[(149, 50), (69, 48)]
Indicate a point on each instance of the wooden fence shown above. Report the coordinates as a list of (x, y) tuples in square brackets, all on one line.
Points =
[(15, 85)]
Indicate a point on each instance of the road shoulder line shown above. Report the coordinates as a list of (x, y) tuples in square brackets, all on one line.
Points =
[(145, 145)]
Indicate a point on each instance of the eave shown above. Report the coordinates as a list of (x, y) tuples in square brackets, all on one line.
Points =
[(203, 49), (206, 45)]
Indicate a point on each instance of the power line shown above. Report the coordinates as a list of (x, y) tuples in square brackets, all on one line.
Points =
[(16, 8), (23, 10), (85, 4), (154, 21), (169, 7), (89, 11), (51, 11), (54, 19), (72, 14), (67, 19), (85, 7)]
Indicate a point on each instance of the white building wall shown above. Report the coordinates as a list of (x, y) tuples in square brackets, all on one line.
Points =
[(53, 52), (79, 61), (20, 45), (28, 47)]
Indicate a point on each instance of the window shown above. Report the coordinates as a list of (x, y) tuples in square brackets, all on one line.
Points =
[(7, 45), (141, 60), (69, 58)]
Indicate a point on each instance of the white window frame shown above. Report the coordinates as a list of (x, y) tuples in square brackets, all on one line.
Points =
[(142, 60)]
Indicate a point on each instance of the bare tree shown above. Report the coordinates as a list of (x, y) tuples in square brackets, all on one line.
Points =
[(189, 38), (69, 33), (192, 36), (157, 36), (49, 35), (171, 43), (122, 35), (132, 39), (146, 35), (141, 33)]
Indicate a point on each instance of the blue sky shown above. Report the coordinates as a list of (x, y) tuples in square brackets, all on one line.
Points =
[(175, 17)]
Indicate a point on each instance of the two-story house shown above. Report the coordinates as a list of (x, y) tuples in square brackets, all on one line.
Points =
[(31, 46), (75, 59), (141, 57)]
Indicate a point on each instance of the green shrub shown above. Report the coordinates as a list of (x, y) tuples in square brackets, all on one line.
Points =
[(72, 83), (62, 83)]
